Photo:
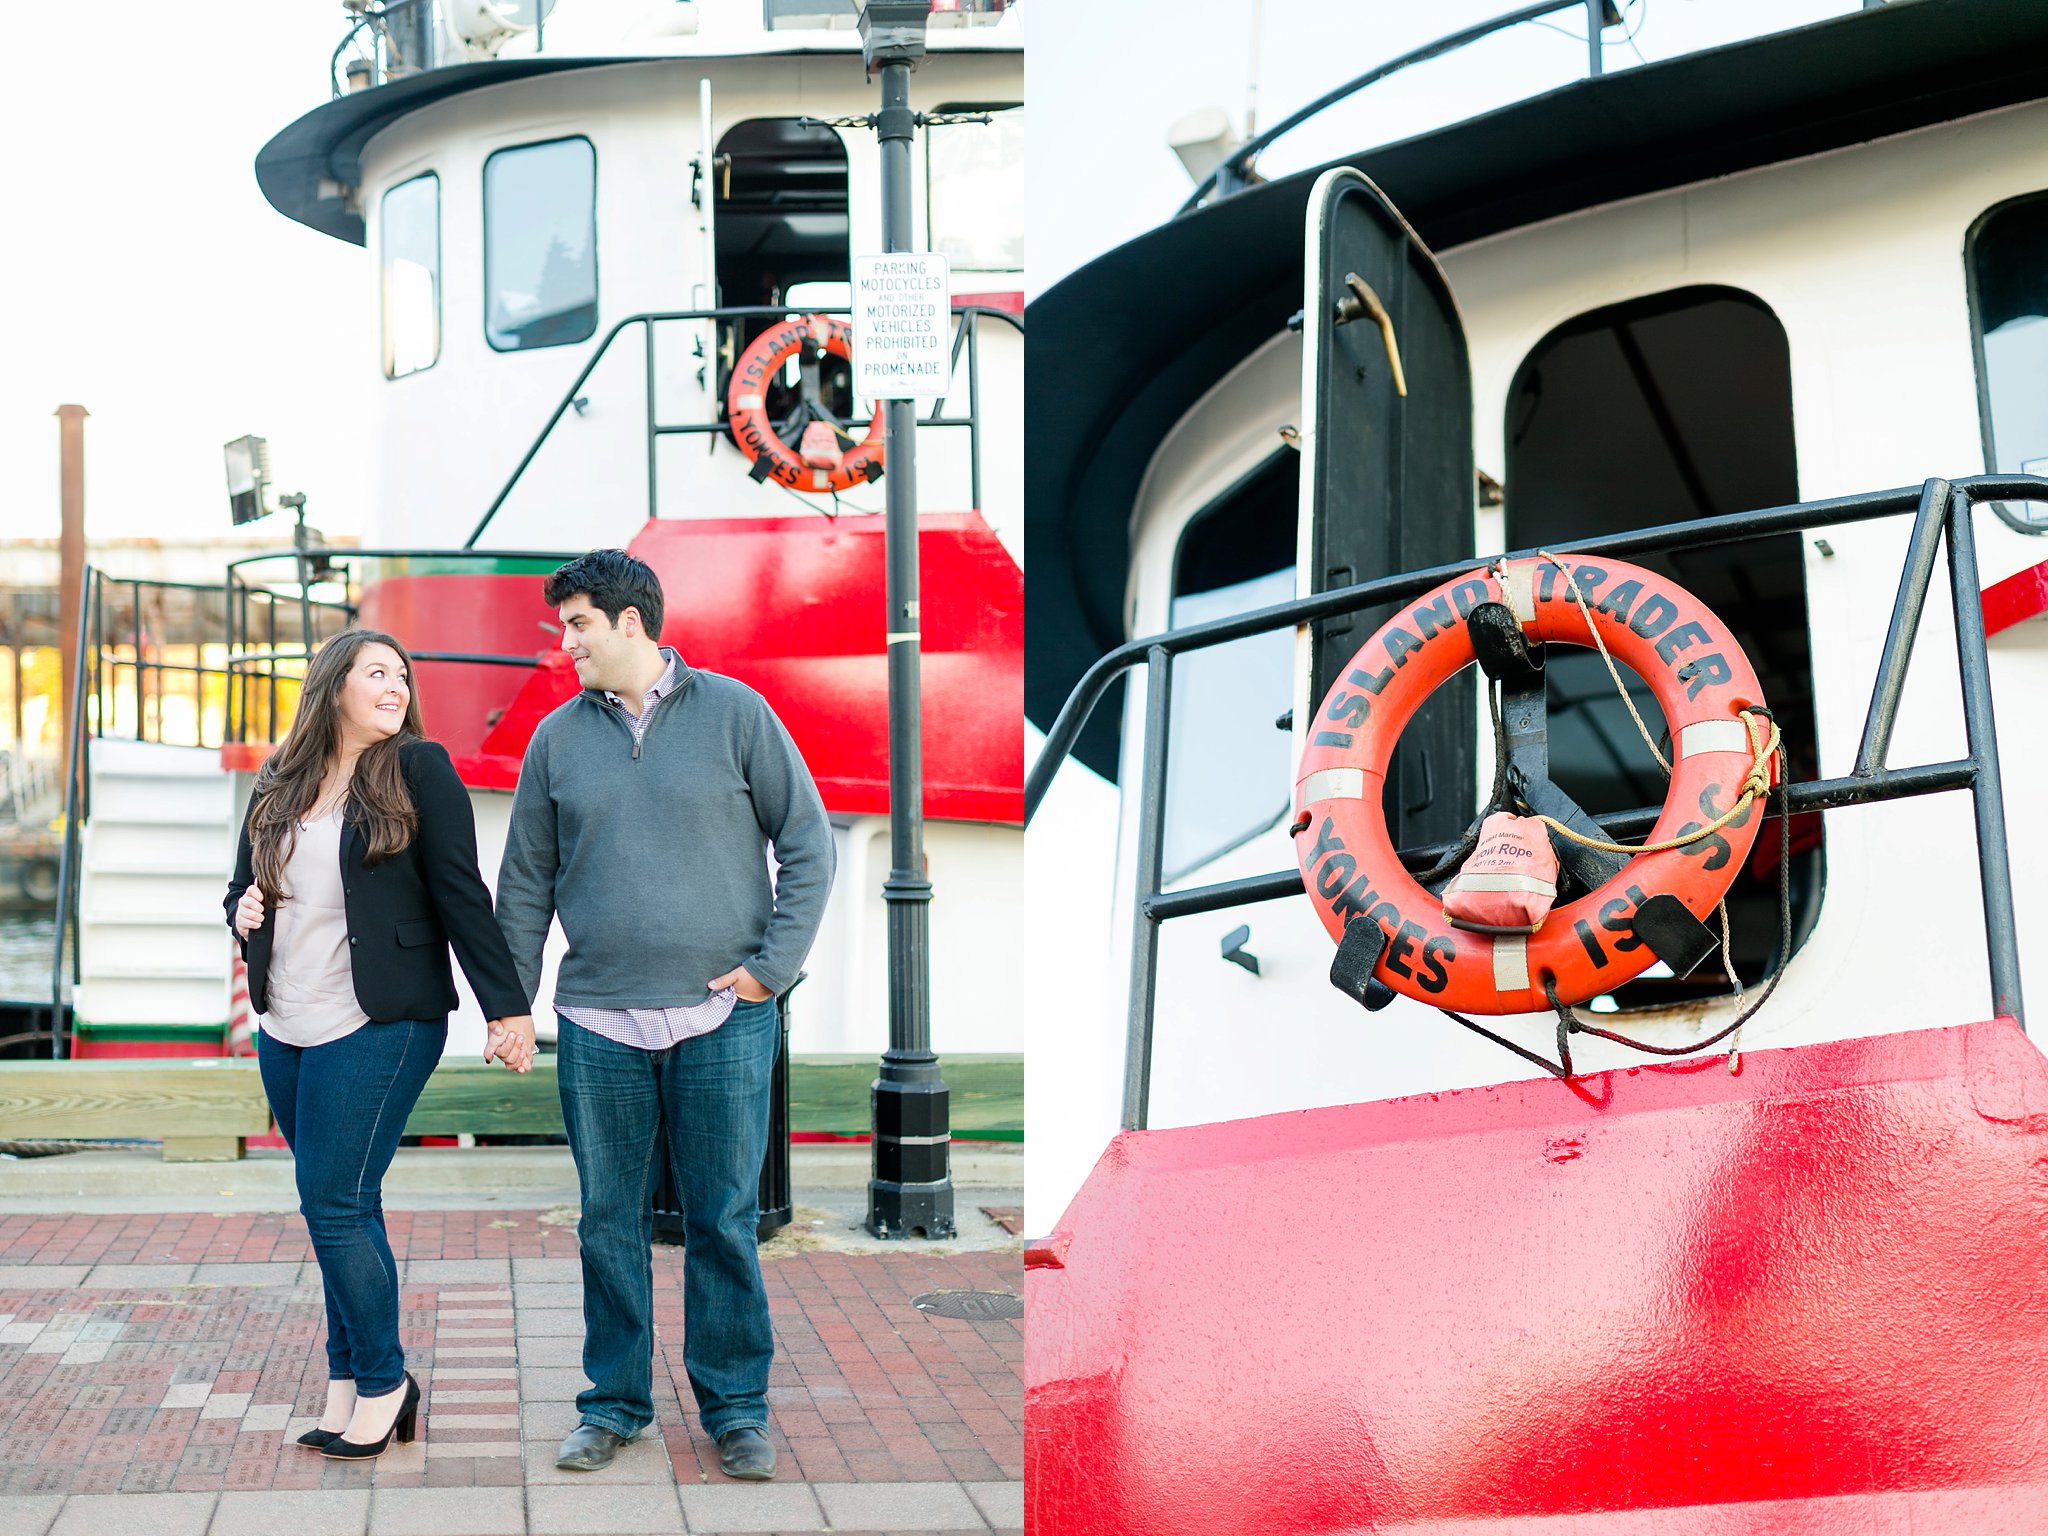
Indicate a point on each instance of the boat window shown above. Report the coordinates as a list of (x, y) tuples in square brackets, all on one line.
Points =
[(779, 15), (784, 238), (2007, 258), (1227, 764), (1661, 410), (540, 245), (409, 230), (974, 188)]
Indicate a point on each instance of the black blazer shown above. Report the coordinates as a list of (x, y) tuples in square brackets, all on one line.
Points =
[(405, 912)]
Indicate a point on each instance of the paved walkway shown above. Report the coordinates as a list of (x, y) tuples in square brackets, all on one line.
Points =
[(155, 1369)]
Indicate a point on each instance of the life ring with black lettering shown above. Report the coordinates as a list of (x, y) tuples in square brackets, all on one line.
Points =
[(747, 413), (1711, 701)]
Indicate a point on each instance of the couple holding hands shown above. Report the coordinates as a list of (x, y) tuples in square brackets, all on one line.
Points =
[(644, 815)]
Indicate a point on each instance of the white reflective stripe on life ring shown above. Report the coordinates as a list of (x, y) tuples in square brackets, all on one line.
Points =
[(1510, 963), (1520, 885), (1713, 736), (1333, 784)]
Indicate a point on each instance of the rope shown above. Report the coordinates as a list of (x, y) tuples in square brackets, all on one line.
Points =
[(1571, 1023), (1498, 799), (1572, 582), (1757, 782), (1727, 936), (1763, 747)]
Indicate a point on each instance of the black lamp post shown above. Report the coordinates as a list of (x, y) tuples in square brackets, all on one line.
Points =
[(910, 1190)]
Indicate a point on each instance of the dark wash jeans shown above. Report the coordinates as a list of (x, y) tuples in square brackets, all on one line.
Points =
[(341, 1108), (707, 1098)]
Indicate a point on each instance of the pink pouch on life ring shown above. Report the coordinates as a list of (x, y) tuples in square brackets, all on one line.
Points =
[(1509, 882), (819, 447)]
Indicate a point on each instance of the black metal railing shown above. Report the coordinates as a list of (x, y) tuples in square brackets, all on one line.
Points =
[(128, 631), (74, 810), (1941, 511), (389, 42), (1235, 173), (966, 340), (264, 668)]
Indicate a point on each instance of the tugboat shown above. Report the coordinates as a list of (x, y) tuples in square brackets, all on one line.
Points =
[(582, 223), (1548, 1226)]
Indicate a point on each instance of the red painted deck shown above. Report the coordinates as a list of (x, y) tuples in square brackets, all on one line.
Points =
[(791, 606), (2021, 596), (1806, 1298)]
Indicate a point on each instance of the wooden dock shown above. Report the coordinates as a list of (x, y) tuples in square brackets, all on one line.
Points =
[(205, 1109)]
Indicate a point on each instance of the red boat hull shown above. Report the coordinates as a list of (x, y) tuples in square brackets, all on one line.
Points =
[(1805, 1298)]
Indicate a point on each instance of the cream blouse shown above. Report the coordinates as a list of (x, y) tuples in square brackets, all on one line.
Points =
[(312, 990)]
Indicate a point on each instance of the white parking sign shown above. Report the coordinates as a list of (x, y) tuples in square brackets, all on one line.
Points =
[(902, 326)]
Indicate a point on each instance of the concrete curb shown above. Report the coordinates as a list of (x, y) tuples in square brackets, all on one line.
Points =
[(437, 1175)]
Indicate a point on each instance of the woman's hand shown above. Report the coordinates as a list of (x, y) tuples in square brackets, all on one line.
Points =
[(511, 1041), (249, 912)]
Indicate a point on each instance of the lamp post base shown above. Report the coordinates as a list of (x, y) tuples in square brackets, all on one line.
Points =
[(911, 1191)]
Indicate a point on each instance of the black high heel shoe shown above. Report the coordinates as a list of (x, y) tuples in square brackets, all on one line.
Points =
[(316, 1437), (402, 1429)]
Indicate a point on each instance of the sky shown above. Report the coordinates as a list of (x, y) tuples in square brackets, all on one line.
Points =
[(150, 282), (1106, 81)]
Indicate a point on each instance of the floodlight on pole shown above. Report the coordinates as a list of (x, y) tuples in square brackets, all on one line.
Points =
[(892, 32), (248, 464)]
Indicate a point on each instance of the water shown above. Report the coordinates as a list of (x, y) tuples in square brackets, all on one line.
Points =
[(27, 942)]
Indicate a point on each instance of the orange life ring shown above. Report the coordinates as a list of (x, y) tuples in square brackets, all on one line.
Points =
[(746, 407), (1701, 680)]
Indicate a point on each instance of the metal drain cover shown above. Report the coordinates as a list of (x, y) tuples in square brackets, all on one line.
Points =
[(974, 1306)]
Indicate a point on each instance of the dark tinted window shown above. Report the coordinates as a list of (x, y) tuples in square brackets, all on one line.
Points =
[(2008, 265), (1662, 410), (1228, 770), (540, 245), (409, 270)]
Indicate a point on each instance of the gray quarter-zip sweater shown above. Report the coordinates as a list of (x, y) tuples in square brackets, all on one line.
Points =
[(654, 851)]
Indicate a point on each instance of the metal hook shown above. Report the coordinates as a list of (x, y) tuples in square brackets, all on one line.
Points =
[(1364, 303)]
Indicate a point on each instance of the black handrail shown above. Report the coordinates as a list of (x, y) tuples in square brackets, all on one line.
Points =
[(67, 860), (372, 20), (1942, 511), (147, 667), (968, 332), (1230, 174), (94, 673), (252, 664)]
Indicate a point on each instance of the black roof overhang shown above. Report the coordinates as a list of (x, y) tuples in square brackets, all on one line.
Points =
[(1121, 348), (326, 145)]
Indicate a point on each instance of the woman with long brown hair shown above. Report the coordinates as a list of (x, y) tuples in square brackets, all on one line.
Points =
[(355, 873)]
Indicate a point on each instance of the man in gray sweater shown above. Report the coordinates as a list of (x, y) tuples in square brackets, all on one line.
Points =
[(646, 809)]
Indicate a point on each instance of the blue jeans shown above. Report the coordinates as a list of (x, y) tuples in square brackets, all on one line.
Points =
[(707, 1099), (341, 1108)]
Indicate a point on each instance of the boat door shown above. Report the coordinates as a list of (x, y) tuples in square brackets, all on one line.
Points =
[(705, 171), (1386, 471)]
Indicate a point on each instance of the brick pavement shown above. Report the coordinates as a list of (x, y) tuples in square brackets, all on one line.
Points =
[(162, 1365)]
